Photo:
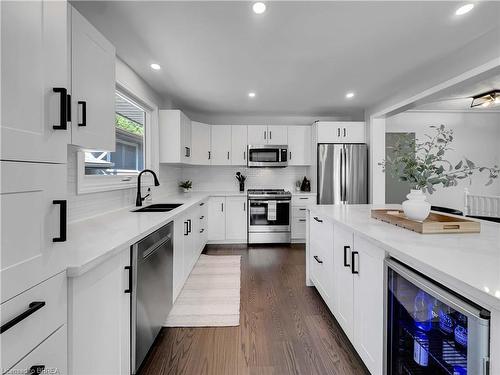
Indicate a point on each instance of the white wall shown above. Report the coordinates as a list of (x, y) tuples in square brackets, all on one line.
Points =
[(222, 178), (477, 137)]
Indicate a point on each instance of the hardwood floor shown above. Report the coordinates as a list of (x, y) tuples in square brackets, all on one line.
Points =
[(285, 327)]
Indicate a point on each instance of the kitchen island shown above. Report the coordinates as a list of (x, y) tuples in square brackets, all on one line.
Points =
[(346, 250)]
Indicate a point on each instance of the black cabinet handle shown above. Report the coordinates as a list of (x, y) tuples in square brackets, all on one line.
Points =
[(186, 228), (189, 226), (270, 134), (202, 217), (345, 256), (63, 107), (202, 203), (265, 134), (244, 206), (209, 155), (318, 220), (68, 106), (353, 264), (36, 369), (202, 230), (244, 155), (318, 260), (338, 132), (84, 113), (302, 220), (188, 152), (302, 209), (63, 218), (129, 289), (290, 155), (344, 132), (222, 207), (302, 198), (32, 308)]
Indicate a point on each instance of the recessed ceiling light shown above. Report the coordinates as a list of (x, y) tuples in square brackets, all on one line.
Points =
[(464, 9), (349, 95), (251, 95), (155, 66), (259, 7)]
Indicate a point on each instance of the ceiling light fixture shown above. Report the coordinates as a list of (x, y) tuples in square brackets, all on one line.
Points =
[(464, 9), (259, 7), (349, 95), (491, 98), (251, 95), (155, 66)]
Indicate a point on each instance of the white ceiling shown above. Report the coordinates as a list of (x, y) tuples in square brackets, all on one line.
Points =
[(299, 57)]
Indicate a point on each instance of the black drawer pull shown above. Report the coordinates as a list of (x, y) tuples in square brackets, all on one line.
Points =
[(63, 219), (36, 369), (303, 198), (189, 226), (202, 230), (63, 107), (317, 259), (129, 289), (202, 217), (202, 203), (186, 232), (84, 113), (345, 256), (353, 264), (302, 220), (318, 220), (302, 209), (32, 307)]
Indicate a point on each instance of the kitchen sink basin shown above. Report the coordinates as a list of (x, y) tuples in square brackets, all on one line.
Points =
[(160, 207)]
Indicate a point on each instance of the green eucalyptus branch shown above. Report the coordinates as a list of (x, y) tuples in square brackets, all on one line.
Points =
[(423, 164)]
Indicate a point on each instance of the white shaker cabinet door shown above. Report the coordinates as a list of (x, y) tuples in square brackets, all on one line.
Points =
[(239, 145), (257, 134), (299, 145), (369, 292), (221, 145), (200, 143), (236, 218), (32, 197), (93, 87), (353, 132), (34, 50), (277, 135), (216, 218)]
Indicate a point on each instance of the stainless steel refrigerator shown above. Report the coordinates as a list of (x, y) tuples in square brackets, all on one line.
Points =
[(342, 173)]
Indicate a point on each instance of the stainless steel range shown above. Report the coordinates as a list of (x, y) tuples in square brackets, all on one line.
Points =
[(269, 216)]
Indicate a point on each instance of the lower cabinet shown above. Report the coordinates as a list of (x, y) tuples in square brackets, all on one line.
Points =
[(348, 272), (236, 218), (99, 319), (216, 219), (298, 220)]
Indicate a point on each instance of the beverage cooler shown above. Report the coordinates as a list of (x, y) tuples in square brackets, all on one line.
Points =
[(430, 330)]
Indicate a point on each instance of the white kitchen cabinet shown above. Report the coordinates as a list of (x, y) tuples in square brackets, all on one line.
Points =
[(33, 214), (216, 219), (221, 145), (49, 356), (321, 258), (93, 86), (178, 261), (239, 145), (299, 210), (257, 134), (340, 132), (99, 319), (189, 224), (277, 135), (34, 52), (236, 218), (368, 335), (344, 286), (299, 145), (175, 137), (200, 143)]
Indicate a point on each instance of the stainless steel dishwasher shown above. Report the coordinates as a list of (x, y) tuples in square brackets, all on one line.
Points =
[(152, 272)]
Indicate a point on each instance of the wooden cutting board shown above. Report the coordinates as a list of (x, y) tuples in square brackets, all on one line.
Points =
[(435, 223)]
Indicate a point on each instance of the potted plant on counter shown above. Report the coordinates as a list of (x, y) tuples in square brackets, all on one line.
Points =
[(186, 186), (422, 164)]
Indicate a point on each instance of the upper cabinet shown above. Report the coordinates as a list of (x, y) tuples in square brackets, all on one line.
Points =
[(239, 145), (299, 145), (175, 137), (267, 135), (221, 145), (200, 143), (340, 132), (35, 81), (93, 86)]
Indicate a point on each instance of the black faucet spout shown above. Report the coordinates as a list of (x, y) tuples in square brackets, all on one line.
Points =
[(139, 198)]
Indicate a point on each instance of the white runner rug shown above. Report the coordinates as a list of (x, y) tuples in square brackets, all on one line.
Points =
[(211, 295)]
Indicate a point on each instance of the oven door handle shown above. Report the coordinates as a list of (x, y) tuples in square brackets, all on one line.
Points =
[(282, 201)]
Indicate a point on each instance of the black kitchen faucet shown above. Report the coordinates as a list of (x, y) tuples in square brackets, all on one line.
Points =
[(139, 199)]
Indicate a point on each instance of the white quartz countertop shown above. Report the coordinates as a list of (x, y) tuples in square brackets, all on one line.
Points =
[(466, 263), (92, 241)]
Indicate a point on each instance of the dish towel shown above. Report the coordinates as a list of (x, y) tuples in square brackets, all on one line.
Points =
[(271, 210)]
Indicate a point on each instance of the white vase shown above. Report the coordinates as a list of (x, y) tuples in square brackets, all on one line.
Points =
[(186, 190), (416, 207)]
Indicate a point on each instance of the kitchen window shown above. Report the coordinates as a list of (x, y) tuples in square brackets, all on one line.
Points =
[(104, 170)]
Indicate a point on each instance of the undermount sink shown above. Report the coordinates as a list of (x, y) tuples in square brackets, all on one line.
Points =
[(160, 207)]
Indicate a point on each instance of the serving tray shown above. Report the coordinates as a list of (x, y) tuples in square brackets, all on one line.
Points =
[(435, 223)]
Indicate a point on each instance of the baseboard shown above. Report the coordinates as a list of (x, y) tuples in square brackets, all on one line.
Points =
[(226, 242), (298, 240)]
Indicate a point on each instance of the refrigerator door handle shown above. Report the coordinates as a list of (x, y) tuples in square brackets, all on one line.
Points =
[(344, 174), (341, 176)]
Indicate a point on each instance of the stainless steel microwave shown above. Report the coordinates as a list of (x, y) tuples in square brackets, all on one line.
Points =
[(270, 156)]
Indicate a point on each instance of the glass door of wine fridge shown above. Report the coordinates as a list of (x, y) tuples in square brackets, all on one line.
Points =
[(430, 330)]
